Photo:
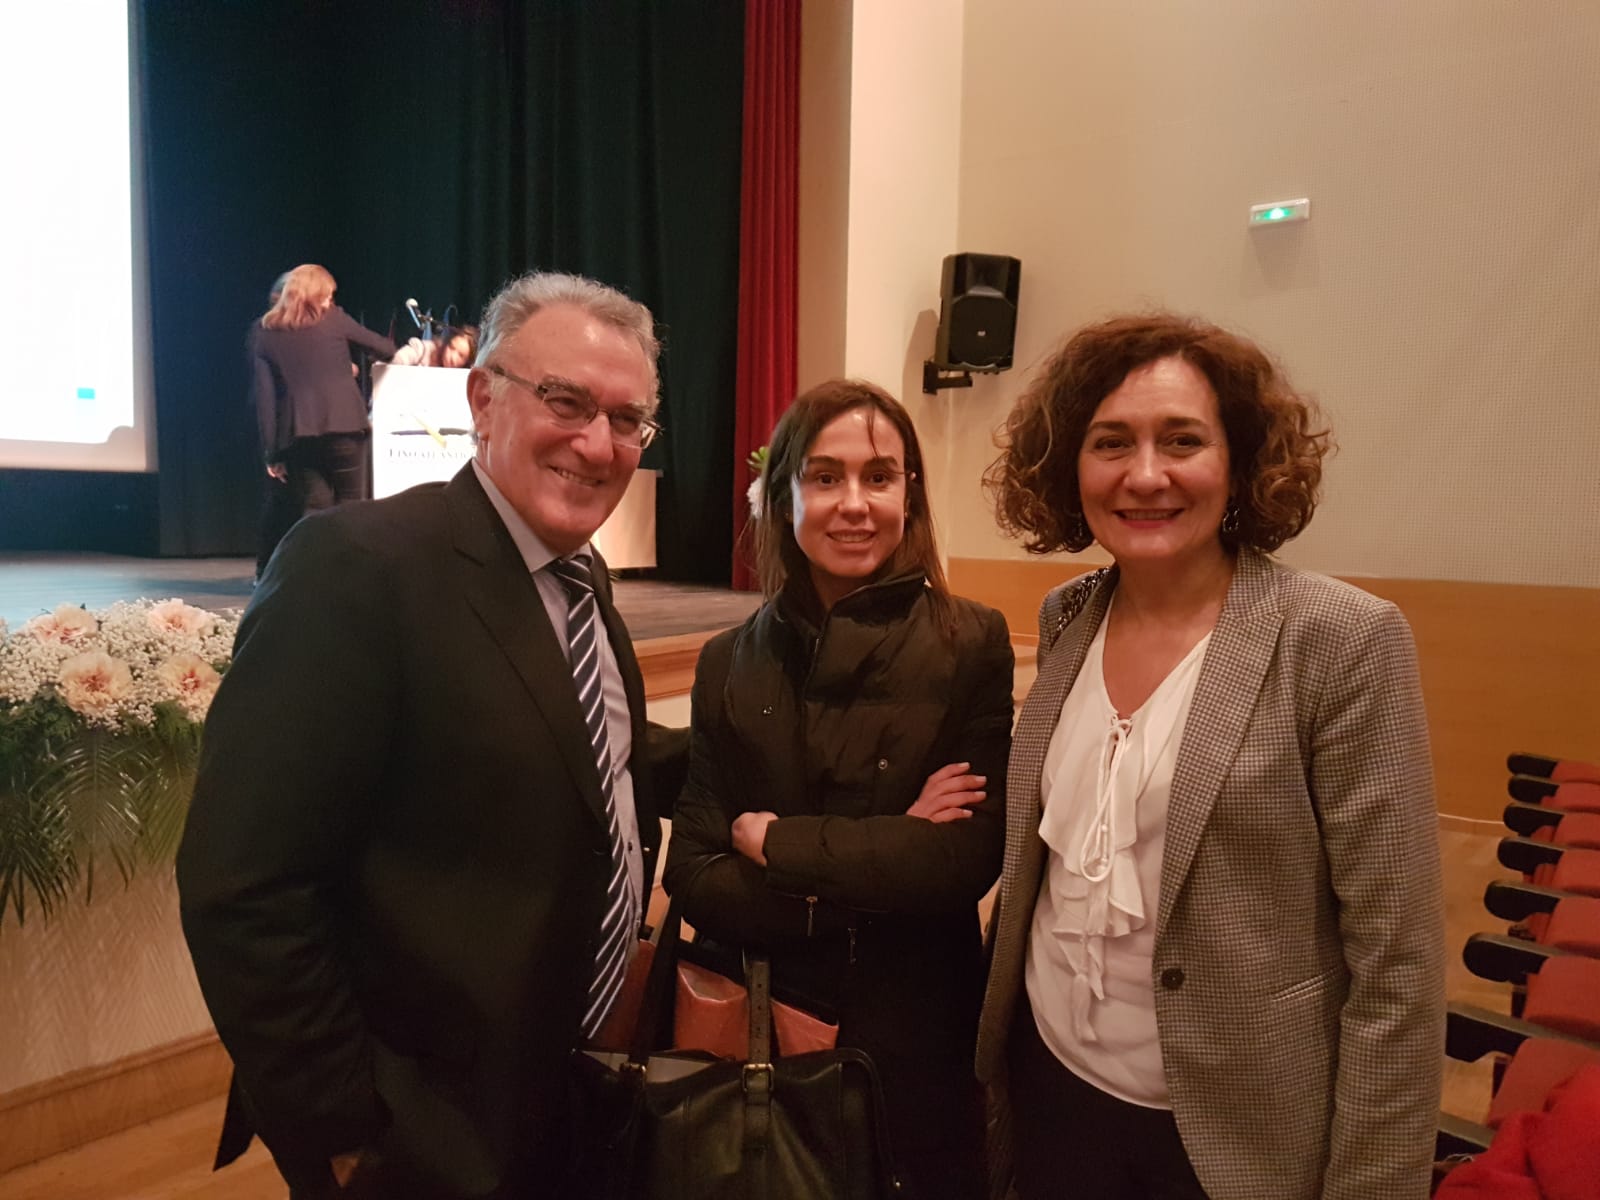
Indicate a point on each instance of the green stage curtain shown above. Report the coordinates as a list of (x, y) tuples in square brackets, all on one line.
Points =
[(434, 150)]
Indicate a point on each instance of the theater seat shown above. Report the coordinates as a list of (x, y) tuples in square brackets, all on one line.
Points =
[(1562, 991), (1539, 1061), (1538, 1065), (1561, 920), (1548, 865), (1546, 1154), (1553, 825), (1574, 796), (1562, 770), (1557, 919)]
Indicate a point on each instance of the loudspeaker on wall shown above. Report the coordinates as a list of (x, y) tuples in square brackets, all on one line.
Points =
[(977, 312)]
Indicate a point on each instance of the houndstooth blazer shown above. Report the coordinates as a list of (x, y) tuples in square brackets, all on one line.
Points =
[(1299, 965)]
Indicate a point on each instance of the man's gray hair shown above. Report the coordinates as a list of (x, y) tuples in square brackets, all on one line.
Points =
[(515, 303)]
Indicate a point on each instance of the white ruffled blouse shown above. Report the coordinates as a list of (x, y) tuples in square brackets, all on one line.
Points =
[(1104, 791)]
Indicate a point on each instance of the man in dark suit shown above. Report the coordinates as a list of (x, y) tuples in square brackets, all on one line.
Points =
[(425, 819)]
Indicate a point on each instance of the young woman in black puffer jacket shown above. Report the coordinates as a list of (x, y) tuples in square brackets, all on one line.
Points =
[(848, 762)]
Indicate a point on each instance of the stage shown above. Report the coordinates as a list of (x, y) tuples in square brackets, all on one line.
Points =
[(669, 621)]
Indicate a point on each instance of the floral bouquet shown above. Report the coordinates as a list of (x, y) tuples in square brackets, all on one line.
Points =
[(100, 719)]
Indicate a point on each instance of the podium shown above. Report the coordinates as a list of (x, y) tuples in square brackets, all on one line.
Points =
[(422, 432)]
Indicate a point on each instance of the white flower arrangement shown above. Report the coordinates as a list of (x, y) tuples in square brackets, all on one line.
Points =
[(115, 667), (100, 720)]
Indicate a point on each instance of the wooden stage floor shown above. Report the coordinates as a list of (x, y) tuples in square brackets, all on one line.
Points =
[(31, 583)]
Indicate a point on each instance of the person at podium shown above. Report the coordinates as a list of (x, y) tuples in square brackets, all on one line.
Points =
[(455, 348)]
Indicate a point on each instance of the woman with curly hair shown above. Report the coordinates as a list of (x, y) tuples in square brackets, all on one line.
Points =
[(1217, 955)]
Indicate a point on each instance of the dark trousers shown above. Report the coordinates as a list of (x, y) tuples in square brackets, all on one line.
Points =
[(327, 470), (934, 1114), (541, 1169), (1075, 1142)]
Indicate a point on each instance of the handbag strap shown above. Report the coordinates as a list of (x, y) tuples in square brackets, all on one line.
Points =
[(758, 1063), (758, 983)]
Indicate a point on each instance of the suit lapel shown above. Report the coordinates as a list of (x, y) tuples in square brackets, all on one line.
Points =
[(497, 585), (1236, 663)]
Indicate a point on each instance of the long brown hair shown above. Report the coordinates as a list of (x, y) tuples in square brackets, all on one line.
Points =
[(778, 557), (304, 297)]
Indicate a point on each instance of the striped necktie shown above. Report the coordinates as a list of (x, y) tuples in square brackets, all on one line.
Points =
[(583, 652)]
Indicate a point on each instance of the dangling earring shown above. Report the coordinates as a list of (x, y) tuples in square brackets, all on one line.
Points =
[(1230, 519), (1078, 529)]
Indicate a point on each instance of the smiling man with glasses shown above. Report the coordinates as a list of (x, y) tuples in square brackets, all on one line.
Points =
[(571, 407), (428, 808), (541, 384)]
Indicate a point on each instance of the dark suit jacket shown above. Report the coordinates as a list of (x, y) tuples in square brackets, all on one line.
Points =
[(394, 868), (300, 379)]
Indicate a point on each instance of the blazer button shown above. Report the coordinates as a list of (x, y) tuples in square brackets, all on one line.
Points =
[(1172, 978), (883, 764)]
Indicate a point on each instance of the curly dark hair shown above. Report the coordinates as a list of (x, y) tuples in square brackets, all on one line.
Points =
[(1276, 436)]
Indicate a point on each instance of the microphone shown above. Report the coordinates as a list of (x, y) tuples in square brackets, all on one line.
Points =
[(411, 307)]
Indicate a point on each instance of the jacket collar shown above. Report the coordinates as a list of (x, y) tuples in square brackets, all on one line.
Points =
[(498, 586), (882, 599)]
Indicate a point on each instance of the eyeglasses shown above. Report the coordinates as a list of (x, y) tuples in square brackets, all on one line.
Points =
[(574, 410)]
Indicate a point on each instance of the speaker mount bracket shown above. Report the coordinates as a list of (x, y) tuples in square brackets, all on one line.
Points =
[(935, 377)]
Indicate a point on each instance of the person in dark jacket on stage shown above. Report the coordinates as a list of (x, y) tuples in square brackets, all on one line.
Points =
[(311, 414), (847, 770)]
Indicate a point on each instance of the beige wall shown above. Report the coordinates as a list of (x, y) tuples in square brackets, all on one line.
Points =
[(880, 142), (1443, 301)]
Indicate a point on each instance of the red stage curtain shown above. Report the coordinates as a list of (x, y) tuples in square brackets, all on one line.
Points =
[(767, 240)]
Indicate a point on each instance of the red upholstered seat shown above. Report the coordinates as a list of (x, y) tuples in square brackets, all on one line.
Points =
[(1573, 926), (1565, 995), (1575, 871), (1581, 829), (1576, 797), (1572, 771), (1539, 1065)]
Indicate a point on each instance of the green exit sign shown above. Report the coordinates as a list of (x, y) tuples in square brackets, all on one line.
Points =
[(1280, 212)]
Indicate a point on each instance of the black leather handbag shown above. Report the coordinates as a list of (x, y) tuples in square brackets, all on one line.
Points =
[(679, 1125)]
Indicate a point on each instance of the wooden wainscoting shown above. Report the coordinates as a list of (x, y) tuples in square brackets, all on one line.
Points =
[(54, 1115), (1505, 667), (667, 663)]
